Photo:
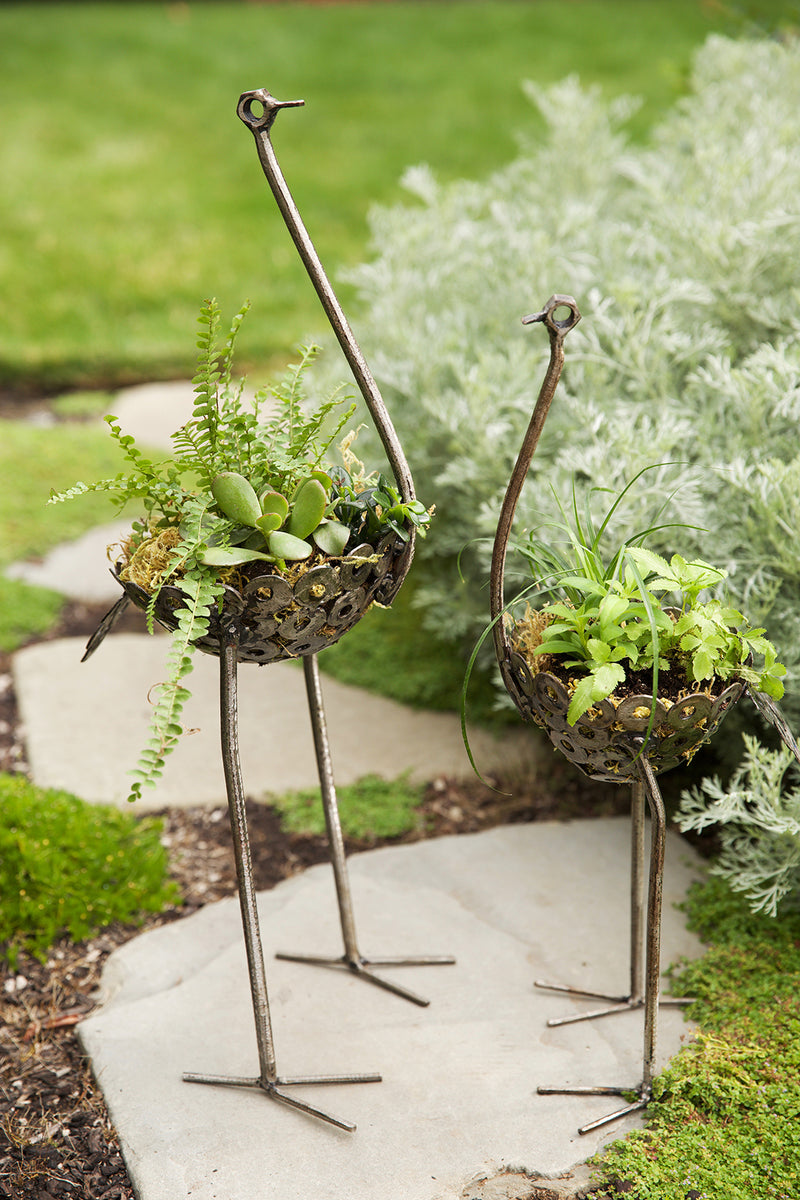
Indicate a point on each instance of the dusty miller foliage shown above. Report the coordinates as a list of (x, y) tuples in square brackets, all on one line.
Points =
[(760, 819), (684, 256)]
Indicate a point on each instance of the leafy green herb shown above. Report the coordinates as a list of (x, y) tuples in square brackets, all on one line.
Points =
[(633, 610)]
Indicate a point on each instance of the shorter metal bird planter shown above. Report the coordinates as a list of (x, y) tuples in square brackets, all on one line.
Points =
[(621, 739)]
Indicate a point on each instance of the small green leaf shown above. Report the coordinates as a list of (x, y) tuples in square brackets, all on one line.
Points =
[(702, 665), (229, 556), (274, 502), (600, 651), (308, 508), (582, 700), (269, 523), (236, 497), (286, 545), (606, 679), (331, 537), (611, 608)]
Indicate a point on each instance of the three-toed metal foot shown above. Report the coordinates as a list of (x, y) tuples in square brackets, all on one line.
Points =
[(352, 959), (616, 1003), (635, 997), (271, 1088), (642, 1092), (362, 967), (647, 787)]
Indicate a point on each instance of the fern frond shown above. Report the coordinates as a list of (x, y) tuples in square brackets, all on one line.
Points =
[(165, 727), (205, 415)]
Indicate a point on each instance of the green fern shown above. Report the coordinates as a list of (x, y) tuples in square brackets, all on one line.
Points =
[(297, 441), (166, 729)]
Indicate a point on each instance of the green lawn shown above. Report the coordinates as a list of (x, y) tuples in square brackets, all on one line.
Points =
[(131, 191), (32, 461)]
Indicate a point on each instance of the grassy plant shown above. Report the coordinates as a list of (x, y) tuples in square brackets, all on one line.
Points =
[(724, 1123), (71, 867), (146, 96), (370, 808)]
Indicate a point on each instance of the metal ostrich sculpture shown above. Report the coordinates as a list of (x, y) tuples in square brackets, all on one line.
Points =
[(610, 746), (321, 612)]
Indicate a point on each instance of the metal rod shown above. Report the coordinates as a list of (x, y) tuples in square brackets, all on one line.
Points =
[(352, 958), (241, 849), (333, 823), (658, 836), (637, 890), (557, 330), (635, 999), (260, 124)]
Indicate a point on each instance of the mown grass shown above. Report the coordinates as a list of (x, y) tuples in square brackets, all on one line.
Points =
[(32, 461), (131, 191)]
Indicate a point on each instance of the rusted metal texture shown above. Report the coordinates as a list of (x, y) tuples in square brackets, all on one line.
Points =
[(279, 621), (600, 741)]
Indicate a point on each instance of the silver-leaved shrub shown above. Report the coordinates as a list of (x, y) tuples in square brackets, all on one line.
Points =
[(684, 257)]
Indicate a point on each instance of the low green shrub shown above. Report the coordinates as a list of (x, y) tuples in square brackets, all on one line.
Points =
[(684, 257), (369, 808), (71, 867)]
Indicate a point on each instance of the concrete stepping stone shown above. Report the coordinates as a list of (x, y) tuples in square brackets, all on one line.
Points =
[(85, 724), (458, 1101)]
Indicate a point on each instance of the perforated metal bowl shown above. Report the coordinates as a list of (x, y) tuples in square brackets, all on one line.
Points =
[(606, 740), (278, 620)]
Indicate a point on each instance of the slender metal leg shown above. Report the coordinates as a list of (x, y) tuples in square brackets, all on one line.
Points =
[(268, 1079), (634, 998), (352, 959), (652, 966)]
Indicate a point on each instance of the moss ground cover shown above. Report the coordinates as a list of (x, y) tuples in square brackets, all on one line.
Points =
[(71, 867), (725, 1120), (370, 808)]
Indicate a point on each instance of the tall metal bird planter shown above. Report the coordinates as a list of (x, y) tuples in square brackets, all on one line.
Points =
[(273, 617), (629, 742)]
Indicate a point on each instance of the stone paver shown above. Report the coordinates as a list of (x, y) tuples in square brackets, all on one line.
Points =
[(458, 1101), (86, 723)]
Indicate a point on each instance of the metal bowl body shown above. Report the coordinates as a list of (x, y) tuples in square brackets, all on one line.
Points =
[(277, 620), (605, 741)]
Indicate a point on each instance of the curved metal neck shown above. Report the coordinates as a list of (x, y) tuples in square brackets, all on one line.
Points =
[(260, 124), (557, 330)]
